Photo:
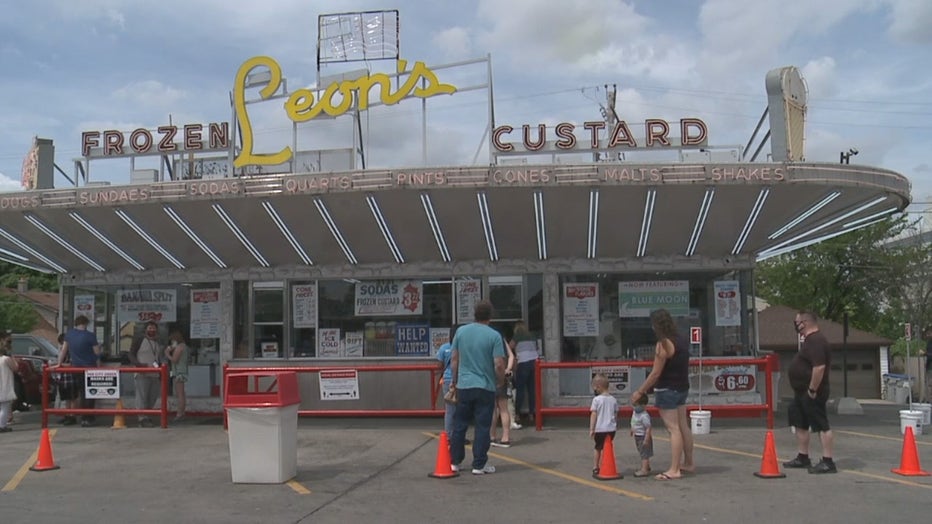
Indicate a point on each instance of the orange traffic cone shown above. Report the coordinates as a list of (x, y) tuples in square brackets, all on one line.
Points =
[(909, 458), (607, 469), (443, 468), (119, 422), (768, 464), (45, 462)]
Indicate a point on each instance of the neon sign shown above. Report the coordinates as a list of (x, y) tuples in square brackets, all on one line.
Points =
[(693, 133), (303, 105)]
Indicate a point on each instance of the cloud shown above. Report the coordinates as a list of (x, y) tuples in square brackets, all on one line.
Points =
[(8, 185), (911, 20), (737, 38), (454, 42), (150, 93), (570, 32), (820, 76)]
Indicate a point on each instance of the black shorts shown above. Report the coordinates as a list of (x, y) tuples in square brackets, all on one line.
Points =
[(68, 386), (809, 413), (599, 438)]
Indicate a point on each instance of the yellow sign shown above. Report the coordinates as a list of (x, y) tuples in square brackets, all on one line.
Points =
[(302, 105)]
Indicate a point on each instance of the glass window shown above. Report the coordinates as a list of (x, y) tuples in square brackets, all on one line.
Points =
[(268, 319), (710, 300), (398, 332), (303, 320), (119, 314), (506, 295)]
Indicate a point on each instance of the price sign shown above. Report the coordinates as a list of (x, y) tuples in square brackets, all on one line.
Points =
[(728, 382), (695, 335)]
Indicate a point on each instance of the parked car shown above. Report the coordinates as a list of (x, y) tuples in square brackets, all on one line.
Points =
[(29, 378), (33, 353), (33, 346)]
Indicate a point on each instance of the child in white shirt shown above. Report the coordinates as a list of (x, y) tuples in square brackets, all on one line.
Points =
[(603, 418), (641, 430)]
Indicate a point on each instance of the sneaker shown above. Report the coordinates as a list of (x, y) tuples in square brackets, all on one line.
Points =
[(69, 421), (798, 462), (146, 423), (515, 425), (484, 471), (823, 467), (86, 423), (455, 468), (501, 444)]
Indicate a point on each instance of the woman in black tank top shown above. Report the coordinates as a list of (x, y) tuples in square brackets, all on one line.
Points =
[(670, 375)]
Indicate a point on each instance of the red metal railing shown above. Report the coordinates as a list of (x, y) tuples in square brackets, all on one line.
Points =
[(768, 363), (162, 412), (431, 369)]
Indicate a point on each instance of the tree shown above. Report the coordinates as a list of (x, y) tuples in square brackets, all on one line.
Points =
[(9, 278), (862, 273), (17, 315)]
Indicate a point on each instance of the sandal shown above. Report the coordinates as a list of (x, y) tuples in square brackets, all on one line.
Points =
[(640, 474), (664, 476)]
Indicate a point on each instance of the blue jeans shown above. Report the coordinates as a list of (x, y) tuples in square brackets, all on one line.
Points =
[(448, 413), (524, 386), (478, 404)]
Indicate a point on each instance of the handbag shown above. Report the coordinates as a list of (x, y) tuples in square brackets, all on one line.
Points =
[(450, 396)]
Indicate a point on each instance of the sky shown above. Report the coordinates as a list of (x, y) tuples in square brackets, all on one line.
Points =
[(72, 66)]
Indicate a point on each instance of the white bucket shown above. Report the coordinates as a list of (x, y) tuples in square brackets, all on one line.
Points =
[(926, 410), (701, 421), (911, 418)]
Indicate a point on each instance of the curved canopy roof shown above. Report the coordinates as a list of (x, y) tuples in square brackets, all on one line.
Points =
[(547, 212)]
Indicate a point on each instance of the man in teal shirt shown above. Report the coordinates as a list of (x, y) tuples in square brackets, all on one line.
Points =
[(478, 366)]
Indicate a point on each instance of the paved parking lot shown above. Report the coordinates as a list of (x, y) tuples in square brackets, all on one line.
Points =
[(350, 469)]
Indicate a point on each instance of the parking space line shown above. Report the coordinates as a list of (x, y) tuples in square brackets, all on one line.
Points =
[(848, 471), (882, 437), (18, 477), (298, 487), (573, 478)]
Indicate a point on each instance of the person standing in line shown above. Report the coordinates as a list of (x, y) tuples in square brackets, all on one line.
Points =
[(478, 368), (603, 419), (808, 373), (146, 352), (502, 412), (445, 357), (8, 369), (526, 355), (177, 355), (670, 374), (643, 437), (67, 385), (83, 351)]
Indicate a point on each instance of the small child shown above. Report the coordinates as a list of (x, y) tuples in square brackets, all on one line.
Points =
[(640, 429), (603, 418)]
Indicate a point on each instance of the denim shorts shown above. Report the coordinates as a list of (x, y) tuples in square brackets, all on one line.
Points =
[(670, 398)]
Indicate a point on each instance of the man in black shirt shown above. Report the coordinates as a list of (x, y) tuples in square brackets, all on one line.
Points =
[(808, 374)]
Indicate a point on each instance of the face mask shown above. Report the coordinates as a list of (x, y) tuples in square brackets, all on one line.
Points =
[(596, 392), (798, 326), (639, 409)]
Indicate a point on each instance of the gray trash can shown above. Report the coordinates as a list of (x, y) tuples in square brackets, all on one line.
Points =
[(898, 387), (262, 414)]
